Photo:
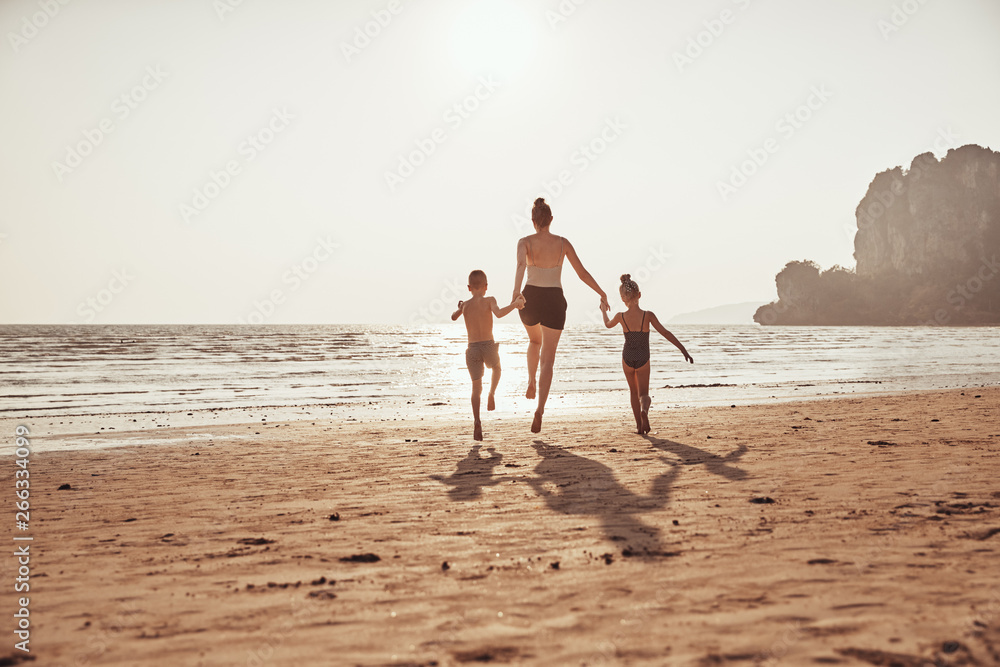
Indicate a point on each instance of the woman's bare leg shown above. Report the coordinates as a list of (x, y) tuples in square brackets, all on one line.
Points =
[(633, 390), (534, 346), (642, 375), (547, 359)]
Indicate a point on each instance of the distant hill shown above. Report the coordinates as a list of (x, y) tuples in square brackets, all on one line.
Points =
[(733, 313), (927, 251)]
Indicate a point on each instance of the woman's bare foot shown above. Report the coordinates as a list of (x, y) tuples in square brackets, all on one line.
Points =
[(644, 428), (530, 394), (490, 403), (536, 425), (477, 431)]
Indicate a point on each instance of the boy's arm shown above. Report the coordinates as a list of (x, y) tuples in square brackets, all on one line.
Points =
[(500, 312), (522, 263), (461, 307), (612, 322), (655, 323)]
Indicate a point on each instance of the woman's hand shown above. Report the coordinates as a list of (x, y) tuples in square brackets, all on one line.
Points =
[(604, 303), (688, 358)]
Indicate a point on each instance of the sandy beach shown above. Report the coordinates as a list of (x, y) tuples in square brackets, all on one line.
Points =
[(856, 531)]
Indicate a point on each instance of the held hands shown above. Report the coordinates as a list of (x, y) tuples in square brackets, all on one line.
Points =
[(518, 301), (604, 304)]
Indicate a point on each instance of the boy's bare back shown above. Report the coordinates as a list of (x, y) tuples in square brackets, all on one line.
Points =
[(478, 313)]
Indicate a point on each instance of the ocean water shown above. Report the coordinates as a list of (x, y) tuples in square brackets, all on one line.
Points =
[(338, 370)]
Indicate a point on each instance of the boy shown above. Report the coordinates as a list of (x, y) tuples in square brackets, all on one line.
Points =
[(479, 312)]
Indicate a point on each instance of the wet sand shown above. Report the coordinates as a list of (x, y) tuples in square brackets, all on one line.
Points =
[(860, 531)]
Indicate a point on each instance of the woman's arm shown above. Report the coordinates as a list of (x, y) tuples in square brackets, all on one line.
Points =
[(655, 323), (522, 263), (585, 275)]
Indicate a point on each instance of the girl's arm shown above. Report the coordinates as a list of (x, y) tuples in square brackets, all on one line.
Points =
[(610, 323), (655, 323), (585, 275), (522, 263)]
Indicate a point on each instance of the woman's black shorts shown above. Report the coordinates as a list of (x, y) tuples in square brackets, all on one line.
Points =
[(545, 306)]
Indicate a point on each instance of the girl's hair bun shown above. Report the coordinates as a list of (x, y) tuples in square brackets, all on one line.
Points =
[(540, 201), (629, 286)]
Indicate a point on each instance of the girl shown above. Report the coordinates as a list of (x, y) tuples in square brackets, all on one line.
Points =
[(635, 353)]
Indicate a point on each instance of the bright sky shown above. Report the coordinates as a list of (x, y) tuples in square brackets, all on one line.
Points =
[(200, 161)]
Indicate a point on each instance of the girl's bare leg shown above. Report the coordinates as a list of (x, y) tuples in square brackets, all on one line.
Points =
[(642, 375), (534, 347), (633, 390), (547, 359)]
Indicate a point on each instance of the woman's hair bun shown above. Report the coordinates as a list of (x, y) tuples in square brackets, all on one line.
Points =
[(541, 214), (626, 277)]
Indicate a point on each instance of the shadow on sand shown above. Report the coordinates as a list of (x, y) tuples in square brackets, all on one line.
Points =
[(577, 486), (715, 464), (473, 473), (574, 485)]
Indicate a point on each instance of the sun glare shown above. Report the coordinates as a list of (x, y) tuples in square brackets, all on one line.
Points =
[(493, 37)]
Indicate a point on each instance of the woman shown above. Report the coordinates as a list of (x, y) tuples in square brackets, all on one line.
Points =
[(544, 312)]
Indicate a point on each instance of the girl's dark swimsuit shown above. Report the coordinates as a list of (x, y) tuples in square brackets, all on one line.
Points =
[(635, 353)]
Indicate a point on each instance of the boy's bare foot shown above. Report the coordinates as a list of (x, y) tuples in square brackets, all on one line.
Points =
[(477, 431), (530, 394), (536, 424), (490, 403)]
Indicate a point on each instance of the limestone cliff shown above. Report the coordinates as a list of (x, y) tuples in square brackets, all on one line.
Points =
[(926, 249), (931, 218)]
